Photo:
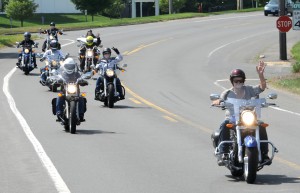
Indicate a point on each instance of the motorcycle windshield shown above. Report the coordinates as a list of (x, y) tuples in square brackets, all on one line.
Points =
[(70, 78), (235, 106), (107, 65)]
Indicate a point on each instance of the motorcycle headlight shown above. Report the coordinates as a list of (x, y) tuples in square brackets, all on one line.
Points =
[(26, 51), (52, 37), (110, 72), (72, 88), (90, 53), (54, 63), (248, 117)]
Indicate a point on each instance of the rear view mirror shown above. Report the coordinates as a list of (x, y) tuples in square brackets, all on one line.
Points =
[(272, 96), (214, 97)]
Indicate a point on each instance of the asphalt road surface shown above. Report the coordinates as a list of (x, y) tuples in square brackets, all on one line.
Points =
[(157, 140)]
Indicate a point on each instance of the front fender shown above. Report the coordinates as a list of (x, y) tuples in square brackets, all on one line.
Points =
[(250, 141)]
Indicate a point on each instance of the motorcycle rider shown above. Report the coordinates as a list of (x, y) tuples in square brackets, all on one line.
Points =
[(241, 91), (53, 52), (112, 61), (90, 33), (52, 30), (70, 71), (89, 44), (27, 42)]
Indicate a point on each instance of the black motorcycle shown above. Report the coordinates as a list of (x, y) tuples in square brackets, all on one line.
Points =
[(109, 95), (71, 93), (27, 64)]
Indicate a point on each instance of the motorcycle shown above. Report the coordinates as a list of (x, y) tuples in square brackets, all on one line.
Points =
[(27, 64), (244, 158), (109, 95), (72, 95), (52, 36), (91, 54), (51, 69)]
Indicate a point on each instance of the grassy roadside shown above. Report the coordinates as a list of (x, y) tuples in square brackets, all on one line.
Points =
[(290, 83), (9, 30)]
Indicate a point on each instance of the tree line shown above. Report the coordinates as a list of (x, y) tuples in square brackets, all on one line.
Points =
[(24, 9)]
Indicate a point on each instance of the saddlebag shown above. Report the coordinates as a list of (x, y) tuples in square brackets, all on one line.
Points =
[(54, 106)]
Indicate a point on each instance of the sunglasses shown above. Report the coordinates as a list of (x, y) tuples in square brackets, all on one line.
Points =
[(238, 81)]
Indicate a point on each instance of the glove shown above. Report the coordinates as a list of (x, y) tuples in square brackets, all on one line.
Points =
[(116, 50)]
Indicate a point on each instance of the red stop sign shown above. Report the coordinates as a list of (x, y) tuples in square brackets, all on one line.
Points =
[(284, 23)]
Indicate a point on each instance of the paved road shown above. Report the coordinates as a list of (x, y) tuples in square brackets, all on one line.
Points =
[(158, 139)]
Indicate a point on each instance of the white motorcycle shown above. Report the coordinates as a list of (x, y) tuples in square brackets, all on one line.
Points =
[(244, 158)]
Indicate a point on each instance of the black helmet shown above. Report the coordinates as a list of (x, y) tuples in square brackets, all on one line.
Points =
[(52, 24), (106, 50), (237, 73), (27, 35), (53, 44)]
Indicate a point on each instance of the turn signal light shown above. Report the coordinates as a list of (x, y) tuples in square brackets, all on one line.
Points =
[(264, 125), (83, 94), (229, 125), (60, 94)]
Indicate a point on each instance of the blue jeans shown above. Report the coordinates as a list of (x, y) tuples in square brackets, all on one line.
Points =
[(225, 136), (60, 101)]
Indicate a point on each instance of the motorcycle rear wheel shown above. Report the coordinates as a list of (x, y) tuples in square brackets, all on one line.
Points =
[(250, 164)]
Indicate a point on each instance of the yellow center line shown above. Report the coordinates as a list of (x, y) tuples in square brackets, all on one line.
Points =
[(170, 119), (172, 115), (135, 101)]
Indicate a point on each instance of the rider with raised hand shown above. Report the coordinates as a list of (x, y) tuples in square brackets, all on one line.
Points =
[(70, 72), (27, 42), (111, 61), (89, 44), (52, 30), (241, 91)]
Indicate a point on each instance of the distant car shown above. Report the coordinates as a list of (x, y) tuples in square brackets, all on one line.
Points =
[(272, 7)]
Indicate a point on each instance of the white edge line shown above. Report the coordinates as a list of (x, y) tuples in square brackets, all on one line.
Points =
[(52, 171), (276, 108)]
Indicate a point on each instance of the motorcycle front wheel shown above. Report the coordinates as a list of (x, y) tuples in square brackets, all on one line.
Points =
[(72, 117), (110, 98), (250, 164)]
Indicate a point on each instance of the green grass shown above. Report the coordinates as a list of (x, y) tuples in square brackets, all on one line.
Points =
[(291, 82), (78, 21)]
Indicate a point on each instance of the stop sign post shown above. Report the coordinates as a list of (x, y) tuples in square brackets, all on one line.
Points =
[(284, 23)]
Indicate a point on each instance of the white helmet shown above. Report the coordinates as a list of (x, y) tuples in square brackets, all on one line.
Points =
[(69, 66)]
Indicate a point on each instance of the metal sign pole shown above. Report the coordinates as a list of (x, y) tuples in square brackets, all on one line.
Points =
[(282, 35)]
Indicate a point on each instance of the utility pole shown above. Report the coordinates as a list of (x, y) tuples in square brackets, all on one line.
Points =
[(170, 6), (282, 35)]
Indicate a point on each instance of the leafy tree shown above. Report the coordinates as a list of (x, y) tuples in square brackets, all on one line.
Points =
[(115, 9), (177, 5), (20, 9), (93, 7)]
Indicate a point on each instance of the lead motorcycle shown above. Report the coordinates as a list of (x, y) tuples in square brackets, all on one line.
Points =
[(244, 145), (109, 94), (27, 64), (72, 94)]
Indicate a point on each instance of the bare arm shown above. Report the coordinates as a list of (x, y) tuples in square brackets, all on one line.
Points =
[(260, 68)]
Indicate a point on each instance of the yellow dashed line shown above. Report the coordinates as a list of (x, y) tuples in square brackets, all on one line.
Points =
[(291, 164), (135, 101), (170, 119)]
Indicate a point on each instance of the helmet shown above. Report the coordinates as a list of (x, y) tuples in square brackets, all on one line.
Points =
[(89, 40), (69, 66), (52, 24), (106, 50), (53, 44), (237, 73), (27, 36)]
